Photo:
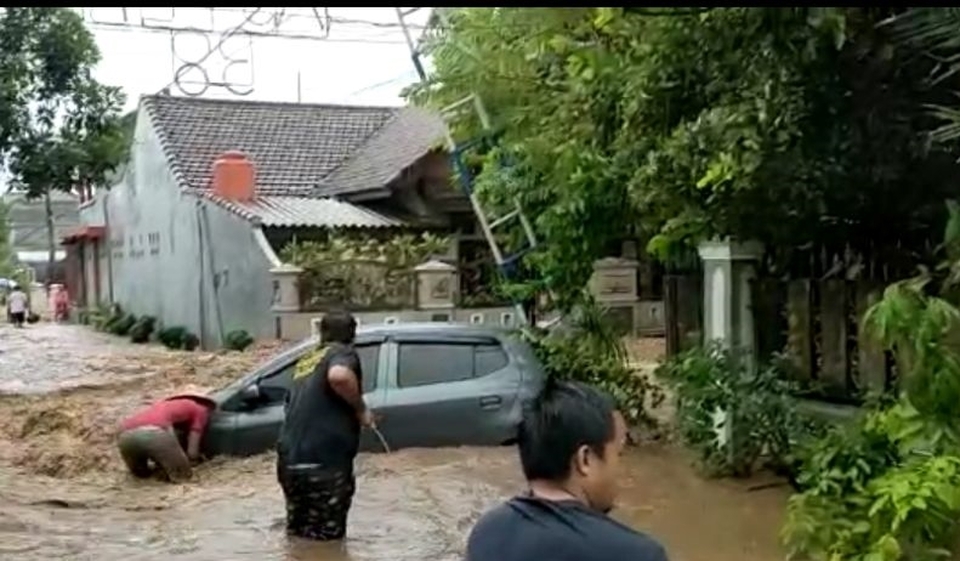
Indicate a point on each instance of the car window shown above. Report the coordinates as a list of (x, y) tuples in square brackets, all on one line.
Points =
[(274, 386), (488, 359), (369, 364), (437, 363)]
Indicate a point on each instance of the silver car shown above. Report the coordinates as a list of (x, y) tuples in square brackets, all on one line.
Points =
[(433, 384)]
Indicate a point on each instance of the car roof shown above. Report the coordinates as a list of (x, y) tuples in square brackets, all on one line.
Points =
[(430, 327)]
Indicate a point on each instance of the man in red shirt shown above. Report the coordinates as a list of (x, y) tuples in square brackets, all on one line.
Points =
[(148, 438)]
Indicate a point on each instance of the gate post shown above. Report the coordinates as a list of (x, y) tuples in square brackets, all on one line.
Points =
[(728, 269)]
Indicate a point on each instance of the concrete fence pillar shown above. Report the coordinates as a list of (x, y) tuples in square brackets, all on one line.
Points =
[(728, 269)]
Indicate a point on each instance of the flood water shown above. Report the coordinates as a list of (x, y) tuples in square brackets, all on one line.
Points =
[(410, 505), (64, 493)]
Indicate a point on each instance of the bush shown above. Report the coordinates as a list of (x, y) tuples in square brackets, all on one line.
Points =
[(178, 337), (591, 352), (172, 337), (190, 342), (123, 326), (107, 316), (237, 340), (142, 329), (888, 487), (716, 394)]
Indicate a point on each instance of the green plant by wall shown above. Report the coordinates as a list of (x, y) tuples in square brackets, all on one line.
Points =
[(123, 325), (717, 393), (361, 271), (590, 351), (400, 252), (888, 487), (142, 329), (237, 340), (172, 337)]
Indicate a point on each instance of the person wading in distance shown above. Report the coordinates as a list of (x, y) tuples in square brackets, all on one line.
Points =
[(570, 440), (321, 433)]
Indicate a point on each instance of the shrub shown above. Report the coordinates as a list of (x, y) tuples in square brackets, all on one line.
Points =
[(122, 327), (107, 317), (237, 340), (172, 337), (142, 329), (590, 351), (717, 393), (190, 342)]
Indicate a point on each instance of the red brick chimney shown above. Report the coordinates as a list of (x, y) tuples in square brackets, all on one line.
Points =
[(234, 177)]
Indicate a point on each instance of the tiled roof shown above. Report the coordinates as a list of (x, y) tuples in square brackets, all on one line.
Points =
[(289, 211), (294, 146), (394, 148), (298, 149)]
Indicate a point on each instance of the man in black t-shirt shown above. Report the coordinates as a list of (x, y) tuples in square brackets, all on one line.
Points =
[(570, 441), (320, 436)]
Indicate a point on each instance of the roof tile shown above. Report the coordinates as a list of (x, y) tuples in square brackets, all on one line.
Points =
[(295, 146)]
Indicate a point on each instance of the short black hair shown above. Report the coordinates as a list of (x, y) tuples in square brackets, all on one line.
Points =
[(564, 417), (338, 326)]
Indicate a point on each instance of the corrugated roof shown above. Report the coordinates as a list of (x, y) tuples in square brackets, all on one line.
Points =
[(300, 212)]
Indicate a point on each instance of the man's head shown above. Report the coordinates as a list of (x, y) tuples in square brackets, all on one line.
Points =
[(338, 327), (572, 436)]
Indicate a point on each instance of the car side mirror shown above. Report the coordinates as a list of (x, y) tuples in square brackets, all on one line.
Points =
[(251, 393)]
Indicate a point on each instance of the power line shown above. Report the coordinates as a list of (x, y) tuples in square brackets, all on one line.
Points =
[(223, 39)]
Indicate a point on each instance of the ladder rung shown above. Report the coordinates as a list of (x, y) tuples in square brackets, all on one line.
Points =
[(456, 105), (513, 258), (505, 218)]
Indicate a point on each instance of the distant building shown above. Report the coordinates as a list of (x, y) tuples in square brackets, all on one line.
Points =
[(29, 239)]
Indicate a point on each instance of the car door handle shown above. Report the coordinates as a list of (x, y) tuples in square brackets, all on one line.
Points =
[(490, 402)]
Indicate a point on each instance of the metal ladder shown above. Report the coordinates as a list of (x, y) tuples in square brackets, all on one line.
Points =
[(508, 263)]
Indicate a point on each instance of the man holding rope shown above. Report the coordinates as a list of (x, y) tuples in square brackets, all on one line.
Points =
[(321, 433)]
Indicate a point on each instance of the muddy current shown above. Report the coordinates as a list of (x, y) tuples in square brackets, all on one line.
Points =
[(64, 495)]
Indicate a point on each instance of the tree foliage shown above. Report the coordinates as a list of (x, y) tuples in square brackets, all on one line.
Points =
[(6, 252), (59, 127), (792, 126)]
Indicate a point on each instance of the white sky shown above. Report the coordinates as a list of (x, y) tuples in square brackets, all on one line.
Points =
[(364, 59), (360, 59)]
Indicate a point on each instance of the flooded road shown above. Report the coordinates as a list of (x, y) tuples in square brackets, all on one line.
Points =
[(410, 505), (64, 494)]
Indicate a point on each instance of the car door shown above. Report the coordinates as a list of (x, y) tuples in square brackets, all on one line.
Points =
[(449, 391), (257, 425)]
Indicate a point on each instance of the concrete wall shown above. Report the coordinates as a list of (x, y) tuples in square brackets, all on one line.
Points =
[(298, 325), (174, 256)]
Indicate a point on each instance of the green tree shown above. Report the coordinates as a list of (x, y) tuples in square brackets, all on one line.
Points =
[(6, 257), (59, 128), (795, 126)]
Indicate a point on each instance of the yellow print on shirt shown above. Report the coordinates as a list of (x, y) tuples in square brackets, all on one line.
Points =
[(307, 364)]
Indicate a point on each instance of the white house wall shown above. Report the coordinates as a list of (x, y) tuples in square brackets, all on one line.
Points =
[(155, 251)]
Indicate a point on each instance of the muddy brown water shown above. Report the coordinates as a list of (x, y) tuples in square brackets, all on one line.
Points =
[(64, 495), (410, 505)]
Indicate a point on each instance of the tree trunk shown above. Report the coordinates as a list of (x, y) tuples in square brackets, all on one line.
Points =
[(51, 238)]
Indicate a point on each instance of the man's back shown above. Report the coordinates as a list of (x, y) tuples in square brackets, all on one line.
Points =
[(527, 529), (319, 426)]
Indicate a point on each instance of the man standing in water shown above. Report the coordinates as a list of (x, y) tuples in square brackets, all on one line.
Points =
[(570, 442), (321, 433)]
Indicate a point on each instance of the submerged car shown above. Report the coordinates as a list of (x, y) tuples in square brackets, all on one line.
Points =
[(431, 385)]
